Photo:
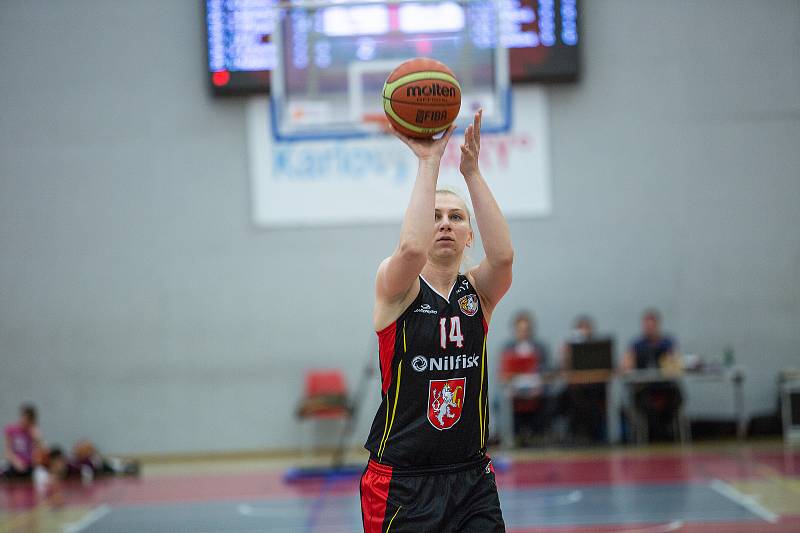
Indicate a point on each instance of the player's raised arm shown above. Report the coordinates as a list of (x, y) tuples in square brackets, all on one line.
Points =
[(398, 273), (492, 277)]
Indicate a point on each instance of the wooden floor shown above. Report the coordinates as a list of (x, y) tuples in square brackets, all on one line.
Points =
[(703, 488)]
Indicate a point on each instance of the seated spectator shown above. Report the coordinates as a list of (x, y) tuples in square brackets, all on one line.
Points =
[(652, 349), (659, 401), (87, 462), (521, 363), (26, 455), (583, 331), (584, 404), (23, 443), (48, 475)]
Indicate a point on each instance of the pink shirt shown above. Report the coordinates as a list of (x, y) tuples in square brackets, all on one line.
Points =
[(21, 442)]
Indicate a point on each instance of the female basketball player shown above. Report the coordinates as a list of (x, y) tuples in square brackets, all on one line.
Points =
[(428, 469)]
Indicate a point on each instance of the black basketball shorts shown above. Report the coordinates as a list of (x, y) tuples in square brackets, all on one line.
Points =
[(459, 498)]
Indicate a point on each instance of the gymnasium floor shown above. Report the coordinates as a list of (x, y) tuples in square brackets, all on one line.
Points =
[(710, 488)]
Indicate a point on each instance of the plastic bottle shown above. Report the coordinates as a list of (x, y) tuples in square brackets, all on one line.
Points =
[(728, 357)]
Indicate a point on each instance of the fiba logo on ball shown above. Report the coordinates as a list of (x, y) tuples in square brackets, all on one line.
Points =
[(424, 116), (419, 363), (421, 97)]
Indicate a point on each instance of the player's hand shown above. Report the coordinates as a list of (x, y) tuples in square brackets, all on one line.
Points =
[(471, 148), (427, 149)]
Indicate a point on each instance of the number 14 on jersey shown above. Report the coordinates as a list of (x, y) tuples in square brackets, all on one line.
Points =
[(455, 331)]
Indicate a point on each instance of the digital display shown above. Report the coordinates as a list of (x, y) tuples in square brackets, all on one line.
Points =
[(542, 36)]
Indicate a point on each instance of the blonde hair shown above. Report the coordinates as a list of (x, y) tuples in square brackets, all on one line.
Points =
[(466, 259)]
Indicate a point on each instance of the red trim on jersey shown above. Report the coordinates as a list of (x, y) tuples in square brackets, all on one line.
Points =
[(386, 340), (374, 493), (485, 325)]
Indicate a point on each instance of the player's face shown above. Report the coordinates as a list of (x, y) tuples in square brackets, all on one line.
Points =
[(26, 421), (58, 466), (523, 329), (453, 230), (650, 326)]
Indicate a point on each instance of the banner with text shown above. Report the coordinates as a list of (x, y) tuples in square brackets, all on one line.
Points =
[(369, 180)]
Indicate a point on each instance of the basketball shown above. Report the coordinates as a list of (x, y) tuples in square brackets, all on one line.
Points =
[(421, 97)]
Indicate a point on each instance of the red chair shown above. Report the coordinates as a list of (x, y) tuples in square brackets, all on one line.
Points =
[(324, 398), (325, 395)]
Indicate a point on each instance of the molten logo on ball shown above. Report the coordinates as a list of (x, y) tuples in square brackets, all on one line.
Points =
[(421, 98), (430, 116), (433, 89)]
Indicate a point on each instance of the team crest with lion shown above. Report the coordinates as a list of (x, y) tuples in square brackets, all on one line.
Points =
[(469, 304), (445, 401)]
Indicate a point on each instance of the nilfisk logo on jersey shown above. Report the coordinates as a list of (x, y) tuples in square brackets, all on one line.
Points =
[(419, 363), (431, 89), (426, 308), (468, 304), (445, 402), (449, 362)]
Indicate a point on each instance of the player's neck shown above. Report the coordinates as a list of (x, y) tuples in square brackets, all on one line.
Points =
[(441, 276)]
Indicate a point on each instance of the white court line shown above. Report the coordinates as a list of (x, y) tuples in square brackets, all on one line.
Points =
[(269, 511), (547, 500), (748, 502), (666, 528), (88, 519)]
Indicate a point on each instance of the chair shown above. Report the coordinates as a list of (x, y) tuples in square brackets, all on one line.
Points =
[(639, 419), (324, 398)]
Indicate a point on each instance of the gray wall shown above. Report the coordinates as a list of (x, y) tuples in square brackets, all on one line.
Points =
[(139, 306)]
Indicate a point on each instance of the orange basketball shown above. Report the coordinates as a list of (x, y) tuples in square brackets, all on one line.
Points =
[(421, 97)]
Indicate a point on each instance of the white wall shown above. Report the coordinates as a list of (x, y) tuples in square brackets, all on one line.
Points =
[(139, 305)]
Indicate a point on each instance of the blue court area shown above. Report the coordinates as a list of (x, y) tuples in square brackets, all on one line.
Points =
[(522, 508)]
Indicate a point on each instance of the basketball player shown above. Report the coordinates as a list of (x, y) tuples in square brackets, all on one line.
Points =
[(428, 470)]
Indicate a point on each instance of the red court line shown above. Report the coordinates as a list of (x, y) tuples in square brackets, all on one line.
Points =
[(176, 489), (616, 469), (623, 469), (786, 462)]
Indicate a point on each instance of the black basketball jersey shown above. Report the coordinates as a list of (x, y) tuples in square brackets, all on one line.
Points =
[(434, 378)]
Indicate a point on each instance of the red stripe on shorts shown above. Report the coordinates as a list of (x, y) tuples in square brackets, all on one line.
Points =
[(374, 493)]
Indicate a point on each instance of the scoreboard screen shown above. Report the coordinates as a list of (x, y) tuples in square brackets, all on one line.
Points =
[(542, 36)]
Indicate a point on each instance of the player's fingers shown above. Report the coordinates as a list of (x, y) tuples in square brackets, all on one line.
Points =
[(406, 139), (471, 141), (477, 123), (444, 135), (468, 135), (412, 144), (445, 138), (391, 129)]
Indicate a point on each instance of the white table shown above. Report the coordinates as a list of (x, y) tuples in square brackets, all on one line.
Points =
[(716, 395), (707, 395)]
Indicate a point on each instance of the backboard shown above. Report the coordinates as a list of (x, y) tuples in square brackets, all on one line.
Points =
[(334, 56)]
